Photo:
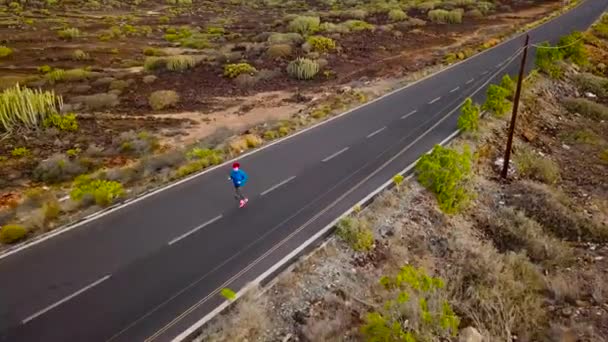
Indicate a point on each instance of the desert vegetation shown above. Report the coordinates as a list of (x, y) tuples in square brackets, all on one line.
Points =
[(103, 100), (456, 253)]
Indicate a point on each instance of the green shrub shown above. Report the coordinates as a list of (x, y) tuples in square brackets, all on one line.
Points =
[(207, 157), (138, 143), (573, 48), (333, 28), (587, 108), (150, 51), (20, 152), (357, 25), (321, 44), (103, 192), (189, 169), (445, 17), (279, 50), (195, 41), (496, 100), (55, 75), (228, 294), (283, 131), (428, 5), (285, 38), (69, 33), (398, 179), (23, 107), (154, 63), (12, 233), (485, 7), (600, 28), (79, 55), (356, 233), (582, 136), (162, 99), (76, 74), (591, 83), (419, 300), (234, 70), (270, 135), (51, 210), (97, 101), (180, 63), (355, 14), (446, 172), (531, 165), (509, 84), (396, 15), (303, 69), (66, 123), (469, 117), (604, 156), (5, 51), (546, 60), (305, 25), (44, 69)]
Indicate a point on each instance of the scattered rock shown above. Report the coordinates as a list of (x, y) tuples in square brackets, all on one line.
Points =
[(470, 334), (590, 95), (566, 312)]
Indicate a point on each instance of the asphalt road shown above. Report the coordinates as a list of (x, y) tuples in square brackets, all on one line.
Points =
[(127, 275)]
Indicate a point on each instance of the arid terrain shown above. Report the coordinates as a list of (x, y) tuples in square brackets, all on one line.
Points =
[(458, 253), (139, 93)]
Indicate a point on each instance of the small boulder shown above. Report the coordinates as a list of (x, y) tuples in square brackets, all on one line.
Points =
[(470, 334)]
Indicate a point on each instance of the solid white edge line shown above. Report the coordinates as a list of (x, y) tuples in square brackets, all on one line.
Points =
[(435, 100), (286, 259), (485, 72), (375, 132), (470, 81), (455, 89), (409, 114), (59, 230), (335, 155), (56, 304), (194, 230), (274, 187)]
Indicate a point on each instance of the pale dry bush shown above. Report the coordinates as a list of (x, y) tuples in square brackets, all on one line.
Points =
[(512, 230), (564, 288), (554, 212), (331, 323), (249, 321)]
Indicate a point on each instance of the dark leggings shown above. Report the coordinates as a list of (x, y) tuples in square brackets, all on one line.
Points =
[(238, 194)]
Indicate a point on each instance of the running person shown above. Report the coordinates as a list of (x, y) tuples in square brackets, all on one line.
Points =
[(239, 178)]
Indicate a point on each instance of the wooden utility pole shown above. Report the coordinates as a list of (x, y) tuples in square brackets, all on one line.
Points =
[(505, 167)]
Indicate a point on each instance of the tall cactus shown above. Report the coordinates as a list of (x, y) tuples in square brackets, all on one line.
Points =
[(24, 107)]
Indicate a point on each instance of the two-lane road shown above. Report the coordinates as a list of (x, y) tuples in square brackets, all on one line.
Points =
[(127, 275)]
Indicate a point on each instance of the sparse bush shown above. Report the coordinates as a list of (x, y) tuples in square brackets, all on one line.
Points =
[(63, 122), (333, 28), (240, 144), (149, 79), (103, 192), (119, 85), (474, 13), (69, 33), (285, 38), (97, 101), (162, 99), (303, 69), (446, 173), (57, 168), (396, 15), (604, 156), (12, 233), (5, 51), (582, 136), (180, 63), (305, 25), (418, 299), (485, 7), (356, 233), (469, 119), (530, 164), (321, 44), (496, 100), (283, 131), (270, 135), (76, 74), (137, 143), (150, 51), (587, 108), (279, 50), (355, 14), (207, 157), (20, 152), (234, 70), (357, 25), (51, 210), (428, 5), (591, 83), (188, 169), (23, 107), (445, 17), (79, 55)]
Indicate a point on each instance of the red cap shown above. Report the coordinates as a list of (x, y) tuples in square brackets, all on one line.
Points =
[(236, 165)]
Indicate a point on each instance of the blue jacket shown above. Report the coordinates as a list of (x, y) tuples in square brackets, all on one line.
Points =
[(239, 177)]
